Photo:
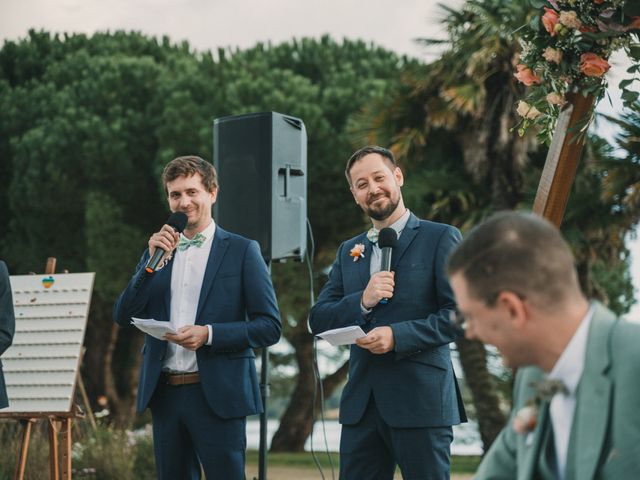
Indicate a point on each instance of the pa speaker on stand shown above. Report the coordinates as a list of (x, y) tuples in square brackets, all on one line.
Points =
[(261, 160)]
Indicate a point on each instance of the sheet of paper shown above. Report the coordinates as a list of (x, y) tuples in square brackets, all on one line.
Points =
[(342, 336), (153, 327)]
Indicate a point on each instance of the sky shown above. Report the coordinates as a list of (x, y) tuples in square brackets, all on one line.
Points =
[(213, 24)]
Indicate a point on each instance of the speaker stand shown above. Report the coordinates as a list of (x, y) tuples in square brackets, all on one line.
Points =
[(264, 392)]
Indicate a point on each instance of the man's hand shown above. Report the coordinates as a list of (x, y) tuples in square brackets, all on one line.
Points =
[(166, 239), (191, 337), (380, 286), (379, 340)]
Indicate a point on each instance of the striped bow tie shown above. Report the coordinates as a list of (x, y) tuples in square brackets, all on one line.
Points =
[(196, 241)]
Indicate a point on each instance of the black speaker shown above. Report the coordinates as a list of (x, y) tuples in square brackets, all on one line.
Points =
[(261, 159)]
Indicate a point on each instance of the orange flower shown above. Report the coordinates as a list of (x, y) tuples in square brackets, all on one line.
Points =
[(635, 23), (525, 75), (357, 252), (598, 1), (550, 19), (592, 65)]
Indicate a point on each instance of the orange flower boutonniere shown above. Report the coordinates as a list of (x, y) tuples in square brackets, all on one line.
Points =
[(357, 252)]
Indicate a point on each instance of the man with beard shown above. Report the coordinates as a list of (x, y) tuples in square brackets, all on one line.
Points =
[(402, 396)]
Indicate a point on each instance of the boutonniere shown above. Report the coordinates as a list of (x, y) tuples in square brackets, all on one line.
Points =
[(357, 252), (526, 419)]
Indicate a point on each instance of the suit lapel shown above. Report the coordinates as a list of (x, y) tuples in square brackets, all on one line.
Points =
[(364, 264), (532, 455), (165, 274), (219, 247), (408, 234), (593, 407)]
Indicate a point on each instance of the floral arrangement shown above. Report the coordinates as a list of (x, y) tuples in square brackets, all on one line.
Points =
[(565, 49), (357, 252), (526, 419)]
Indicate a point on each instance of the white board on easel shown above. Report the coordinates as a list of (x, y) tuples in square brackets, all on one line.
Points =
[(41, 366)]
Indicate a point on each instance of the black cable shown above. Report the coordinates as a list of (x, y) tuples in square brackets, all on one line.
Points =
[(317, 384)]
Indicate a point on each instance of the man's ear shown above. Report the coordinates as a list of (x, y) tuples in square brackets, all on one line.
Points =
[(214, 194), (397, 173), (515, 307)]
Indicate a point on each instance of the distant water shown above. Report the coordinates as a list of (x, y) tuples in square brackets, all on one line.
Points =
[(466, 439)]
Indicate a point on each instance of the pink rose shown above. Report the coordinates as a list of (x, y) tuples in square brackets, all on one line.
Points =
[(527, 111), (550, 19), (592, 65), (552, 55), (525, 420), (555, 98), (525, 75), (570, 20)]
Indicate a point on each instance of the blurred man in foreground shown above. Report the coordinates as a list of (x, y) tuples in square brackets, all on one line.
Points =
[(576, 396)]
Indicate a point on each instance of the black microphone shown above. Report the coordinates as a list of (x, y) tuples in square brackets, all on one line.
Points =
[(387, 240), (177, 221)]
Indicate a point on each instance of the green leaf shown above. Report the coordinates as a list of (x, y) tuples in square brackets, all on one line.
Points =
[(634, 52), (633, 68), (625, 83), (630, 96), (538, 3), (631, 9)]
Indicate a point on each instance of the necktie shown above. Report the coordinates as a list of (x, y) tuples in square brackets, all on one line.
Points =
[(372, 235), (196, 241)]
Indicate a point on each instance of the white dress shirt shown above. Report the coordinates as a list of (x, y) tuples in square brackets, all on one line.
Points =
[(376, 252), (568, 369), (186, 283)]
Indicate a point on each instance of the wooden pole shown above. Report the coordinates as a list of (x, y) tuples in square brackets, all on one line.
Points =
[(562, 159), (54, 470), (66, 448), (27, 425)]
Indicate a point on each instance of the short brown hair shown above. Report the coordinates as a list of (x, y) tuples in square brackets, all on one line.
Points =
[(186, 167), (364, 151), (518, 252)]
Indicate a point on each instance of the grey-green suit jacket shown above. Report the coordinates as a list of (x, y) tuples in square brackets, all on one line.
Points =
[(605, 438)]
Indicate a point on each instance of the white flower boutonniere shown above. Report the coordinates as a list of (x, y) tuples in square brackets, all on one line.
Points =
[(357, 252)]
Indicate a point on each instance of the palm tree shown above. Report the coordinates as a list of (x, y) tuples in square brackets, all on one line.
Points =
[(466, 97)]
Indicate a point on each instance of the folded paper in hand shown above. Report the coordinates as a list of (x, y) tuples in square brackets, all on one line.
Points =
[(342, 336), (153, 327)]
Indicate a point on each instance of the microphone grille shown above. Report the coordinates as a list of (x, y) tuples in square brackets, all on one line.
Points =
[(178, 220), (387, 238)]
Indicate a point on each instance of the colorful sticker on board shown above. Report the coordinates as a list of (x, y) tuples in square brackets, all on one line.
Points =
[(47, 282)]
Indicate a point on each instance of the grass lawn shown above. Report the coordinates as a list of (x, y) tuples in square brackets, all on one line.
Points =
[(301, 466)]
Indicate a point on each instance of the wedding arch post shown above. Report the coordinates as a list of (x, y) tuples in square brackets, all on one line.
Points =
[(563, 157)]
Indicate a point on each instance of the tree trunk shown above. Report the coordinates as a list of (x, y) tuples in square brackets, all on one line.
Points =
[(297, 421), (473, 358)]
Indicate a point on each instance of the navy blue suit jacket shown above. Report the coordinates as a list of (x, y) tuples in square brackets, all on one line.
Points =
[(236, 299), (7, 325), (414, 385)]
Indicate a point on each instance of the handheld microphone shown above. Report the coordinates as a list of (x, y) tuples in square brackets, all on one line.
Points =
[(178, 221), (387, 240)]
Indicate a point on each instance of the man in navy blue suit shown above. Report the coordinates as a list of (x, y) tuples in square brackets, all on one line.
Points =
[(215, 289), (7, 325), (402, 397)]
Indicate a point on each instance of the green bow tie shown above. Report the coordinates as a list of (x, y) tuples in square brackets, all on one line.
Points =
[(372, 235), (196, 241)]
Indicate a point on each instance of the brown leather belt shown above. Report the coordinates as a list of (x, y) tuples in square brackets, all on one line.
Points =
[(180, 378)]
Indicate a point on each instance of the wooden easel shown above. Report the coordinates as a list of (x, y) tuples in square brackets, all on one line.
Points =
[(59, 423)]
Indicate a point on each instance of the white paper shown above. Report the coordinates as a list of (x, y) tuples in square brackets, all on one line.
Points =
[(342, 336), (153, 327)]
